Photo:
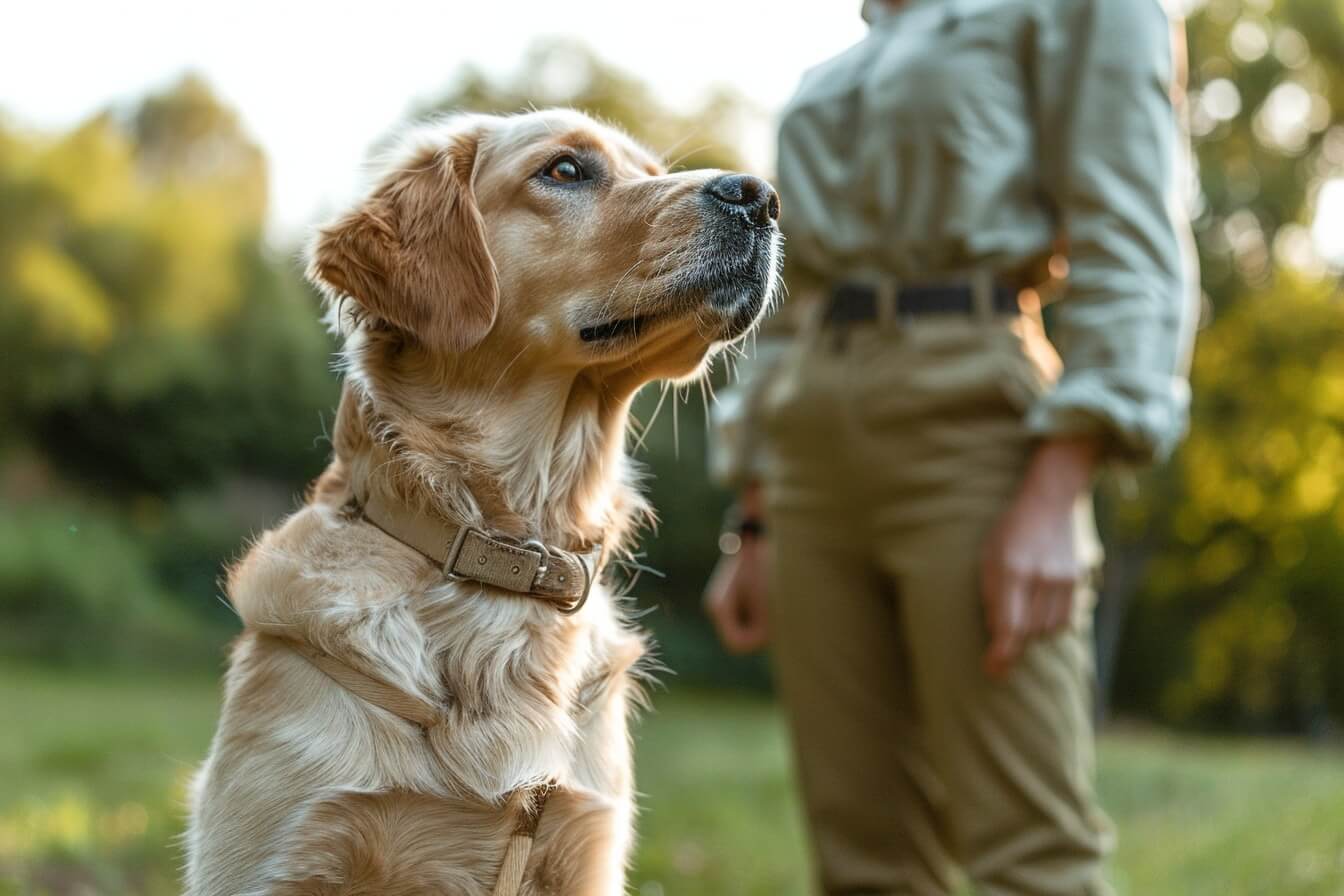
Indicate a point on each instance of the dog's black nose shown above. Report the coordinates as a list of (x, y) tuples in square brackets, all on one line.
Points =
[(748, 196)]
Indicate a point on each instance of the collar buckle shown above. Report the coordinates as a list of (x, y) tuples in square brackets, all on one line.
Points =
[(544, 566), (576, 605), (455, 551)]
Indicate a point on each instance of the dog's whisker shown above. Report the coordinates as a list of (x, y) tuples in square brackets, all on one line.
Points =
[(677, 144), (491, 394), (690, 152), (676, 429), (648, 427)]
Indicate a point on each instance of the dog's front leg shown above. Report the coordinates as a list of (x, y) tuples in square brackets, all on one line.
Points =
[(602, 756)]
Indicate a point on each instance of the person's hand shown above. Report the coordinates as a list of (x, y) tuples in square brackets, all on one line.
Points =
[(735, 596), (1029, 571)]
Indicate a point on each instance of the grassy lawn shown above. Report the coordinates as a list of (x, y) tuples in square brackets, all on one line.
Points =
[(92, 769)]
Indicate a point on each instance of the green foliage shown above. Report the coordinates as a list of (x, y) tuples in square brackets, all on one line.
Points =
[(1266, 87), (153, 342), (1240, 618), (154, 348), (76, 588)]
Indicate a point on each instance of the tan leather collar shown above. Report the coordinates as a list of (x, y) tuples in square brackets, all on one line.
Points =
[(563, 578)]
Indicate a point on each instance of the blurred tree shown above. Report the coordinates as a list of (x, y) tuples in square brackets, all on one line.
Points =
[(185, 136), (1240, 619), (564, 73), (151, 330), (155, 350)]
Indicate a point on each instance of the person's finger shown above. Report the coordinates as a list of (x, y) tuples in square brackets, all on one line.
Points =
[(991, 585), (1061, 606), (709, 601), (1040, 607), (752, 630), (1009, 627), (744, 627), (735, 637), (718, 606), (991, 592), (736, 610)]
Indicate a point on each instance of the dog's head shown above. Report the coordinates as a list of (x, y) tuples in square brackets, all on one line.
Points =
[(551, 235)]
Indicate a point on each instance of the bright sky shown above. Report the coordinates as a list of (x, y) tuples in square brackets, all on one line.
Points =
[(317, 83)]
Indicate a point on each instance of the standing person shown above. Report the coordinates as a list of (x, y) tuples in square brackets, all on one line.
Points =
[(915, 460)]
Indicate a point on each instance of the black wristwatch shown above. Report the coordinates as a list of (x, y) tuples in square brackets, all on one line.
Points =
[(750, 527), (738, 529)]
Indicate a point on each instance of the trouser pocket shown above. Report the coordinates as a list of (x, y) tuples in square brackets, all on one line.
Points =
[(805, 392), (950, 370)]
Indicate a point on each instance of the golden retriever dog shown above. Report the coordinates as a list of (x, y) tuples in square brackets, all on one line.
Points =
[(431, 691)]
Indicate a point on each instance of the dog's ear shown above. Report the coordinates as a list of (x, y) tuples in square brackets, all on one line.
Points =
[(414, 254)]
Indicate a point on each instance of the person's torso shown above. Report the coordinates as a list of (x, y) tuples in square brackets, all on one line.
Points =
[(913, 153)]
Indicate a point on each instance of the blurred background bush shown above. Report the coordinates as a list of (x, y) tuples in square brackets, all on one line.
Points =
[(167, 388)]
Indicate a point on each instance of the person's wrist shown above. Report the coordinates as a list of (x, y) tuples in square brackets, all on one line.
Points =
[(743, 526), (1063, 468), (732, 543), (749, 501)]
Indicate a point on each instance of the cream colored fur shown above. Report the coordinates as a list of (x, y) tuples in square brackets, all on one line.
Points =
[(458, 286)]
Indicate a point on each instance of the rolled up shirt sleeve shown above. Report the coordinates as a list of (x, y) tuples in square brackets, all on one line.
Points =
[(1113, 163)]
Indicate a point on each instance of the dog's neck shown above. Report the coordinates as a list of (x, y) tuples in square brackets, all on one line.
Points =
[(523, 452)]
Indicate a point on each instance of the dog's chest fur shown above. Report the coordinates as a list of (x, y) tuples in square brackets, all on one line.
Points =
[(528, 696)]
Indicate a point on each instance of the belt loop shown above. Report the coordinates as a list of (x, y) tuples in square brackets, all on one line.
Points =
[(982, 294), (888, 293)]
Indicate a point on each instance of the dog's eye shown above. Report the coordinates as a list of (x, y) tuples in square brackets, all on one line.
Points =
[(566, 170)]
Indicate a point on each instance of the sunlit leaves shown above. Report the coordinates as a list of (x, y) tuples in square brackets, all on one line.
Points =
[(1243, 597), (66, 304), (1253, 540), (138, 304)]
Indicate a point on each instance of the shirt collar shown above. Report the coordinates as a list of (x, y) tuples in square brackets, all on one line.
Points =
[(877, 11)]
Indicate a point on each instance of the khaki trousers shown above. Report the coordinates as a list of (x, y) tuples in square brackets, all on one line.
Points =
[(895, 447)]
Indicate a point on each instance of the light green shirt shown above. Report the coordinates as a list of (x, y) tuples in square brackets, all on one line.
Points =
[(966, 135)]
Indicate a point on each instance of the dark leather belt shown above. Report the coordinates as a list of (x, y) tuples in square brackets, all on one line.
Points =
[(856, 303)]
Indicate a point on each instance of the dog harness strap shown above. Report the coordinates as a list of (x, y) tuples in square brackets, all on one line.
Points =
[(419, 712), (514, 864), (560, 577), (367, 688)]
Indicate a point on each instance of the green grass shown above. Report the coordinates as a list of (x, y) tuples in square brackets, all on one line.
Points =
[(92, 769)]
